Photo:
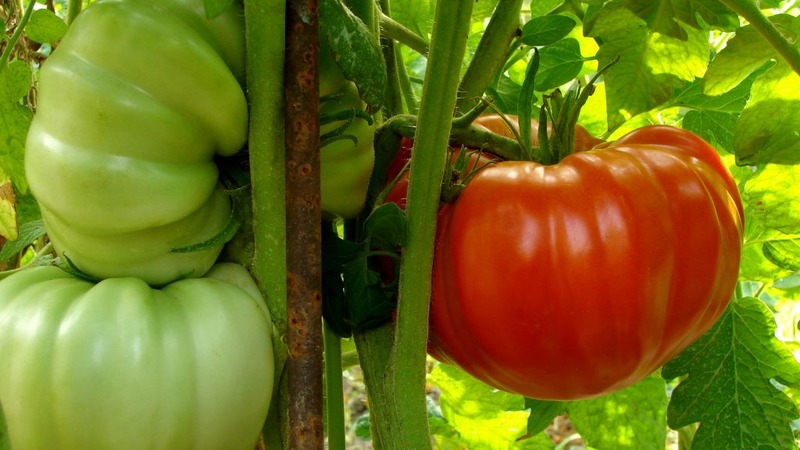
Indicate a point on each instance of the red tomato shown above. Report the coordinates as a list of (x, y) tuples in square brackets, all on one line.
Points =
[(575, 280)]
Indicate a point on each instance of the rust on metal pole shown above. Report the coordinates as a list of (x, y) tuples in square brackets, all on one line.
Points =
[(303, 232)]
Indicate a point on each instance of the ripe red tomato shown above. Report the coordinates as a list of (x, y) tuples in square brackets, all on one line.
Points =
[(578, 279)]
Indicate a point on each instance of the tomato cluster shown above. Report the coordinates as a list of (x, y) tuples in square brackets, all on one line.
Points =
[(580, 278), (134, 105)]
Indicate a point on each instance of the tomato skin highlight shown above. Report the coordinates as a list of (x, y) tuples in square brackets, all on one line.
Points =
[(118, 364), (578, 279)]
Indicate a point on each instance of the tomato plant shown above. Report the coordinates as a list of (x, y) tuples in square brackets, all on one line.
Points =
[(117, 98), (610, 262), (120, 364)]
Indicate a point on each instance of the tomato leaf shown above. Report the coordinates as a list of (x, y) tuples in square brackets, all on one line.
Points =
[(386, 227), (773, 192), (416, 15), (784, 253), (483, 417), (546, 30), (28, 234), (542, 413), (355, 50), (714, 117), (651, 65), (369, 302), (728, 387), (633, 418), (44, 26), (560, 63), (671, 17), (767, 128), (15, 120)]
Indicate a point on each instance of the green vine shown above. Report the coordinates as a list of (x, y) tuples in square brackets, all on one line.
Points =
[(393, 359)]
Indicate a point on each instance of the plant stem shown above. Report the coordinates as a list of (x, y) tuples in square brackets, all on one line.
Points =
[(12, 42), (750, 12), (396, 379), (334, 390), (490, 54), (73, 9), (303, 231), (394, 30), (265, 60)]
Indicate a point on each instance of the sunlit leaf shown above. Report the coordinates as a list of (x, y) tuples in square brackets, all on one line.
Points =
[(559, 63), (634, 418), (651, 66), (483, 417), (728, 387)]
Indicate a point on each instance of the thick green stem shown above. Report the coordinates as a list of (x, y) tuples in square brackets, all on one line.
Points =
[(397, 391), (490, 54), (334, 406), (265, 59), (750, 12)]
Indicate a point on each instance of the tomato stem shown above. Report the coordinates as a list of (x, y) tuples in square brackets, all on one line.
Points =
[(73, 9), (750, 11), (265, 60), (396, 31), (334, 407), (12, 41), (394, 357), (490, 55)]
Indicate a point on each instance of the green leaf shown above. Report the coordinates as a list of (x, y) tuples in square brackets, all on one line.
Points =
[(483, 9), (28, 233), (671, 17), (15, 120), (370, 304), (546, 30), (355, 50), (633, 418), (773, 191), (416, 15), (714, 117), (386, 227), (784, 253), (543, 7), (728, 387), (651, 65), (767, 128), (44, 26), (483, 417), (559, 63), (542, 414)]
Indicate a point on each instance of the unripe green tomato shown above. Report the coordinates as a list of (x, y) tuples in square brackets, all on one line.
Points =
[(120, 365), (346, 163), (133, 106)]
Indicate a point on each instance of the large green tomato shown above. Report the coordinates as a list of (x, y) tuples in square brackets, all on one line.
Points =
[(346, 163), (119, 365), (133, 106)]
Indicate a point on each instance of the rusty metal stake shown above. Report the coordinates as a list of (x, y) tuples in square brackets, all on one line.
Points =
[(303, 232)]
